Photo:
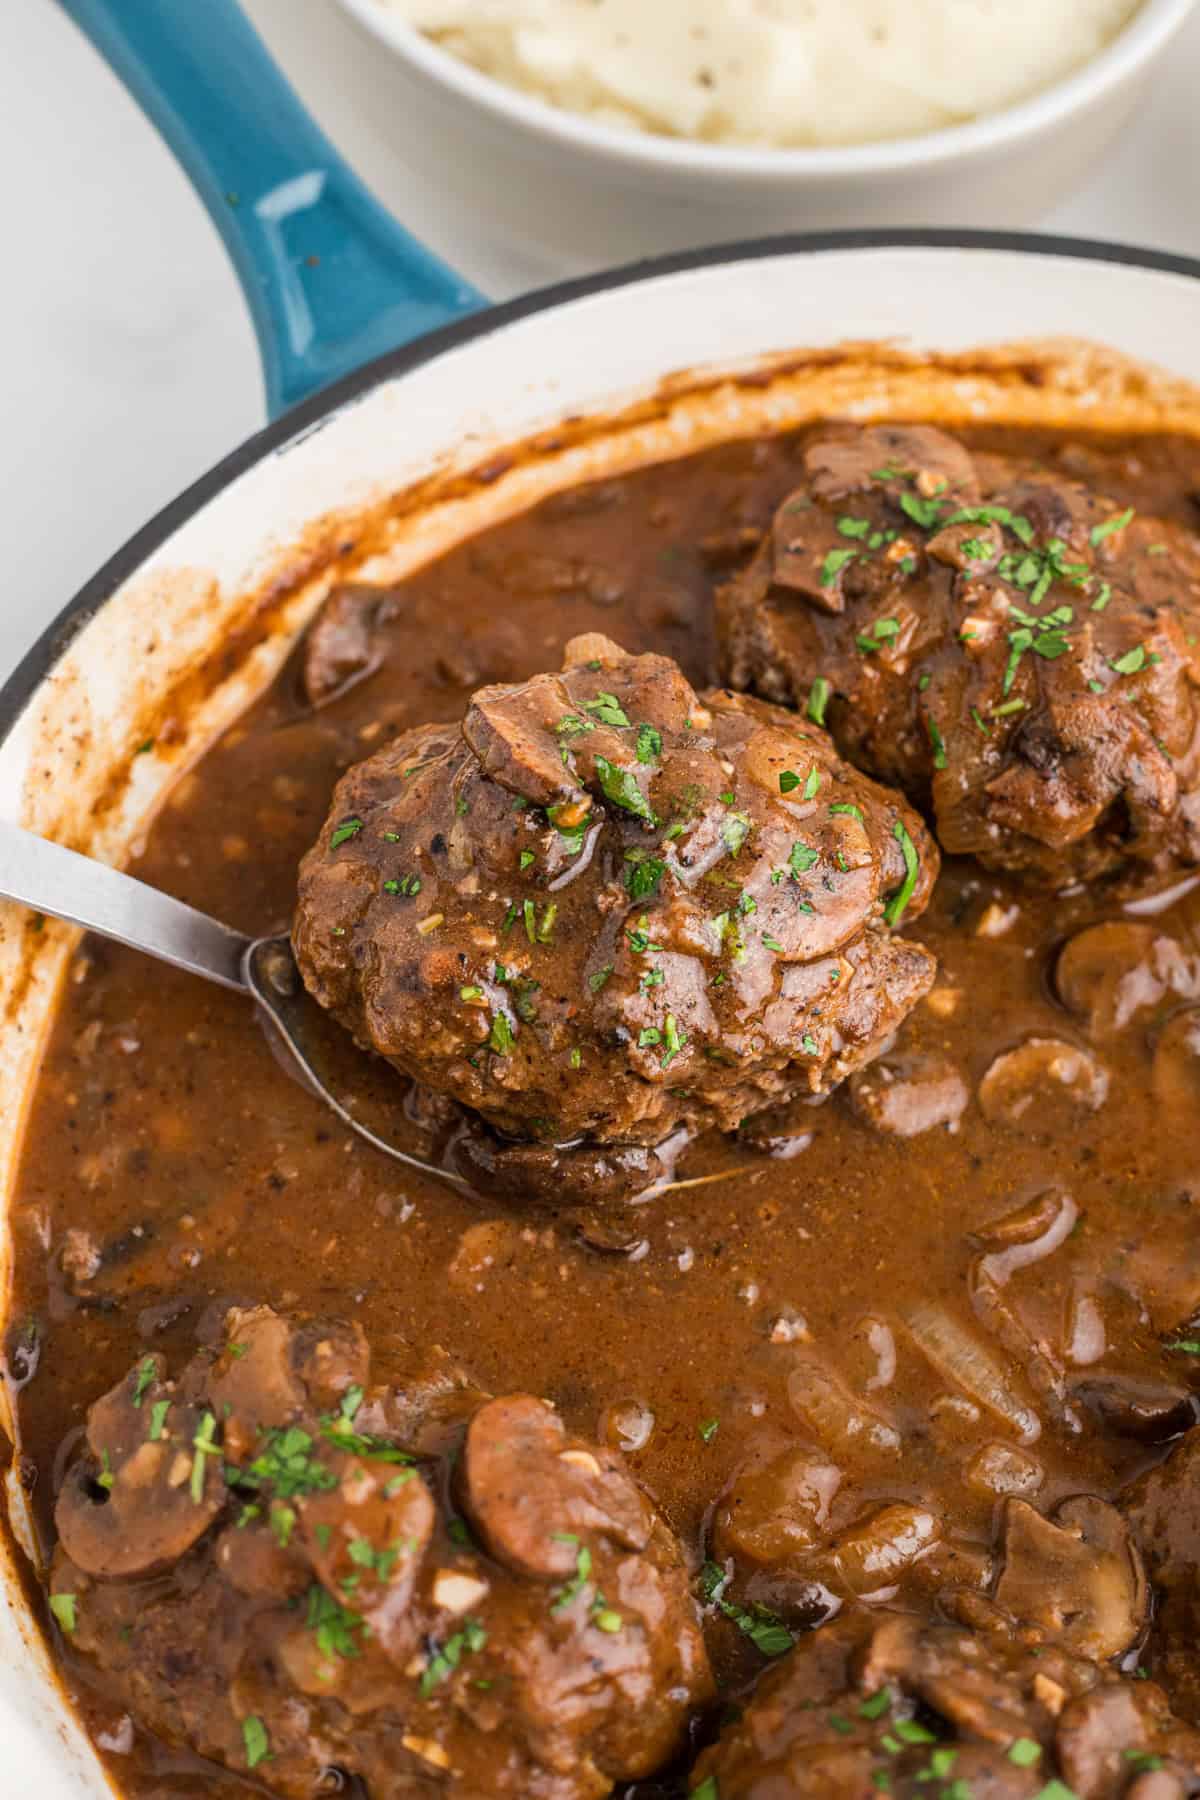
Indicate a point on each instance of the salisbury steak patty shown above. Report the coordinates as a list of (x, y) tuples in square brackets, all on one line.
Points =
[(607, 909), (1012, 649), (319, 1582)]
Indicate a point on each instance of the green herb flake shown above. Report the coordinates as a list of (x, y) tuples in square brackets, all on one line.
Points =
[(809, 1045), (1025, 1752), (1131, 662), (802, 857), (819, 695), (334, 1626), (845, 806), (607, 1620), (346, 830), (649, 744), (571, 1590), (597, 980), (897, 906), (938, 744), (708, 1430), (527, 857), (106, 1478), (203, 1447), (65, 1610), (500, 1038), (851, 527), (608, 709), (833, 565), (813, 783), (1098, 533), (708, 1790), (146, 1371), (735, 829), (620, 786), (789, 781), (877, 1705), (158, 1419), (255, 1741), (925, 513), (841, 1724), (643, 875), (909, 1732), (1189, 1346), (674, 1039)]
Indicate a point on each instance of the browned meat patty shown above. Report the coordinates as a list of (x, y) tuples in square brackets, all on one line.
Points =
[(608, 909), (1014, 652), (272, 1577), (881, 1703)]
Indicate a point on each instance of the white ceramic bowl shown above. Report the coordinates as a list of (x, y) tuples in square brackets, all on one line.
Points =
[(151, 632), (576, 194)]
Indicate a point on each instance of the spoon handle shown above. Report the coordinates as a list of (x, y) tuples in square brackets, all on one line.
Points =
[(53, 880)]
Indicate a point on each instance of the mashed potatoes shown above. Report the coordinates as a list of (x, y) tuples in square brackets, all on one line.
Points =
[(777, 72)]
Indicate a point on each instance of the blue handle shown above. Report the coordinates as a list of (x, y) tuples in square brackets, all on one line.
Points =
[(332, 280)]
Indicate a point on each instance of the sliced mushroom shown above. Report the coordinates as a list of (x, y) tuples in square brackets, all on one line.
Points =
[(1078, 1577), (1151, 1412), (1039, 1081), (776, 1508), (366, 1539), (1111, 973), (903, 1096), (151, 1486), (341, 646), (532, 1493)]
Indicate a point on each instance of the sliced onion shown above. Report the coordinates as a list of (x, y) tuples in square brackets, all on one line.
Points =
[(840, 1422), (957, 1354), (875, 1552)]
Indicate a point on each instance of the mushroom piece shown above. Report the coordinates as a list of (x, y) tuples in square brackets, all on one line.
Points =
[(532, 1492), (903, 1096), (367, 1537), (270, 1371), (152, 1484), (1047, 1074), (1078, 1576), (1110, 973), (340, 647), (776, 1507)]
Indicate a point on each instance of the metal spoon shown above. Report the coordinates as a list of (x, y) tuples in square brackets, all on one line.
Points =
[(51, 879)]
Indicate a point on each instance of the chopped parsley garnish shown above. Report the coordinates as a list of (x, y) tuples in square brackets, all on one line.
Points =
[(470, 994), (287, 1465), (469, 1640), (735, 829), (597, 981), (909, 1732), (925, 513), (1189, 1346), (708, 1790), (649, 744), (407, 885), (809, 1045), (993, 515), (365, 1556), (897, 906), (649, 1036), (643, 875), (255, 1740), (500, 1038), (845, 806), (833, 565), (709, 1430), (203, 1446), (527, 857), (607, 1620), (765, 1629), (158, 1418), (877, 1705), (64, 1609), (818, 699), (571, 1590), (1025, 1752), (802, 857), (571, 725), (106, 1478), (773, 944), (1131, 662), (347, 829), (608, 709), (788, 781), (880, 633), (813, 783), (1098, 533), (674, 1039), (853, 528), (146, 1370), (938, 743), (620, 786), (332, 1625)]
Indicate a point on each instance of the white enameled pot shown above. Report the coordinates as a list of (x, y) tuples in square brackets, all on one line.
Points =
[(394, 463)]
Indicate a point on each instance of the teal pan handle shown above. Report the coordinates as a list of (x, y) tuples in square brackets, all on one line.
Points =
[(331, 279)]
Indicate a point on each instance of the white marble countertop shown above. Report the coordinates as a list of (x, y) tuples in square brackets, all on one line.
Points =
[(129, 365)]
